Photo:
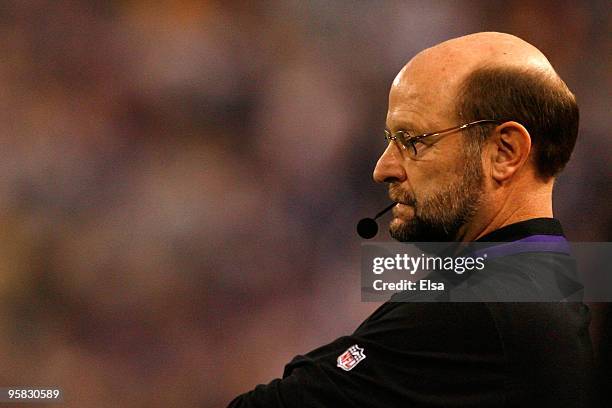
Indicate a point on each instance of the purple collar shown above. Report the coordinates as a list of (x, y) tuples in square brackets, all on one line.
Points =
[(533, 243)]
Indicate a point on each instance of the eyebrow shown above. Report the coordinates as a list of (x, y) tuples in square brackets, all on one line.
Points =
[(404, 125)]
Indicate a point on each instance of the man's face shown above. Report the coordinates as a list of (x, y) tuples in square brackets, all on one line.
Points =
[(439, 190)]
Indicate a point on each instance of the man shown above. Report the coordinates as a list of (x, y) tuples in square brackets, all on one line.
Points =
[(478, 128)]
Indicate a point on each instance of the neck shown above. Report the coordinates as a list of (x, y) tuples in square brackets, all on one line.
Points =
[(516, 206)]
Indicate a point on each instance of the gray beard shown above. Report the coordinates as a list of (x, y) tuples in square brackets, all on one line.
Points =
[(439, 218)]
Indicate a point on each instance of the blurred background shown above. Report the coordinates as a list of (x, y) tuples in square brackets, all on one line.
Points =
[(180, 180)]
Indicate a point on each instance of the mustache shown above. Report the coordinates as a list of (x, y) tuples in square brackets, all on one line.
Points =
[(400, 196)]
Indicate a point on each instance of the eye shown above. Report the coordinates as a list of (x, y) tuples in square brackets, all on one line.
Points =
[(407, 141), (421, 143), (418, 144), (402, 138)]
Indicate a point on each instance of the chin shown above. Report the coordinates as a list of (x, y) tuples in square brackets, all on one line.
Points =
[(402, 230), (397, 225)]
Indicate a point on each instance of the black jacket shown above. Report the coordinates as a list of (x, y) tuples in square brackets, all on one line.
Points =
[(448, 355)]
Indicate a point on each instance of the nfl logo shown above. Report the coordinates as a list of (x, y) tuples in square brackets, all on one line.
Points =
[(350, 358)]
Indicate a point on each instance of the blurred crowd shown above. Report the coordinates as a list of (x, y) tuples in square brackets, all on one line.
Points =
[(180, 180)]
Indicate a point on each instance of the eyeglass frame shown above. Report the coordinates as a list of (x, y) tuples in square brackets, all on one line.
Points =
[(412, 140)]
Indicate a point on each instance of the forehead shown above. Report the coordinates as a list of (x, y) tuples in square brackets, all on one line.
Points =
[(423, 92)]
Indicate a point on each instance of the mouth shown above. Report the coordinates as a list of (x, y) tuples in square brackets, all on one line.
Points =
[(400, 203), (403, 210), (405, 207), (402, 199)]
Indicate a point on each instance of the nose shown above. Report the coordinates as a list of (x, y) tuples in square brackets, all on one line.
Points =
[(389, 168)]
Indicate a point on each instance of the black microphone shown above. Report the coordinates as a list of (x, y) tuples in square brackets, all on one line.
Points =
[(367, 227)]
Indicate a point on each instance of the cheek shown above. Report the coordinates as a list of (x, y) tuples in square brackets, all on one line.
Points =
[(431, 177)]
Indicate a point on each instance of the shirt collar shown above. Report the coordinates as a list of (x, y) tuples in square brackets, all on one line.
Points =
[(524, 229)]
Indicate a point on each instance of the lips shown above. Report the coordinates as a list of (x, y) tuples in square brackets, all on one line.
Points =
[(400, 196), (406, 203), (402, 210)]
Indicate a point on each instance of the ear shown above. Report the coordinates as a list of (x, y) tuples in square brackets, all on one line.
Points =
[(511, 144)]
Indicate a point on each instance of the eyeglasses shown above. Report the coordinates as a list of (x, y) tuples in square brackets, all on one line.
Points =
[(409, 142)]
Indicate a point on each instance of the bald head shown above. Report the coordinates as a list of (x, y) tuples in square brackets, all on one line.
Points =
[(489, 75), (439, 70), (489, 48)]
